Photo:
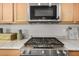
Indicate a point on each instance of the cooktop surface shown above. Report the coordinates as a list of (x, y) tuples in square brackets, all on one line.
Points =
[(44, 42)]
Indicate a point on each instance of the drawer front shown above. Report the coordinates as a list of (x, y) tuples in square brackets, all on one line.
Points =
[(73, 53)]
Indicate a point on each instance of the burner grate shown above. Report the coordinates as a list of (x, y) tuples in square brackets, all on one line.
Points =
[(44, 42)]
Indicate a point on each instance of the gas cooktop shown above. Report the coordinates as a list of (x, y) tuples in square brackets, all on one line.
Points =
[(44, 42)]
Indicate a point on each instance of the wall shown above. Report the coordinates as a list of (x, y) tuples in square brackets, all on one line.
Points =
[(40, 29)]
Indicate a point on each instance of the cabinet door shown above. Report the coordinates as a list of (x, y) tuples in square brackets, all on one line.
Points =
[(76, 12), (7, 12), (10, 52), (20, 12), (67, 12), (1, 12), (73, 53)]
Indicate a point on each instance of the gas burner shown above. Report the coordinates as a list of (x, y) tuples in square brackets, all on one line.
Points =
[(44, 42)]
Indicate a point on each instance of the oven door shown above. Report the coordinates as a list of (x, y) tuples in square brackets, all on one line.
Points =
[(37, 53), (44, 52)]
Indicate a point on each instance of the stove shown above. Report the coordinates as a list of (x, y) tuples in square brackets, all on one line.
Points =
[(44, 42)]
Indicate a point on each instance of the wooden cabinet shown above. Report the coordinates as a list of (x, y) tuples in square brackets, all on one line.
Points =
[(20, 12), (1, 12), (70, 12), (67, 12), (9, 52), (6, 12), (73, 53), (76, 12), (13, 12)]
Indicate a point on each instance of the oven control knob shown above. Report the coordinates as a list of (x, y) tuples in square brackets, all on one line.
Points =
[(64, 52), (42, 51), (58, 52), (29, 52)]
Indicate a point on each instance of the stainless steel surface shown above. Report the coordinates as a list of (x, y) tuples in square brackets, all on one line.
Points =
[(44, 4), (47, 52), (44, 46)]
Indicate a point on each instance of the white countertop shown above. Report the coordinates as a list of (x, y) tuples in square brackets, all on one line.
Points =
[(70, 44), (16, 44)]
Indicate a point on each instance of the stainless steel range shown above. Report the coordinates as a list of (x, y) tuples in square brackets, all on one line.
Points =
[(44, 46), (44, 42)]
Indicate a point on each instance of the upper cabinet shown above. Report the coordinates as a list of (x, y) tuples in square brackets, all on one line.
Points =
[(70, 12), (6, 13), (76, 12), (20, 12), (67, 12), (1, 12), (13, 13)]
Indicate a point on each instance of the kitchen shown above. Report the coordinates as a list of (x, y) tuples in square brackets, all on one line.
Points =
[(20, 18)]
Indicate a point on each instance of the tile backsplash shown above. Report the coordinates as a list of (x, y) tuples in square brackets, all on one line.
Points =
[(39, 29)]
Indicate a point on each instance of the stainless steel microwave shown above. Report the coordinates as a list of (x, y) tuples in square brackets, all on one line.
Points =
[(44, 12)]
